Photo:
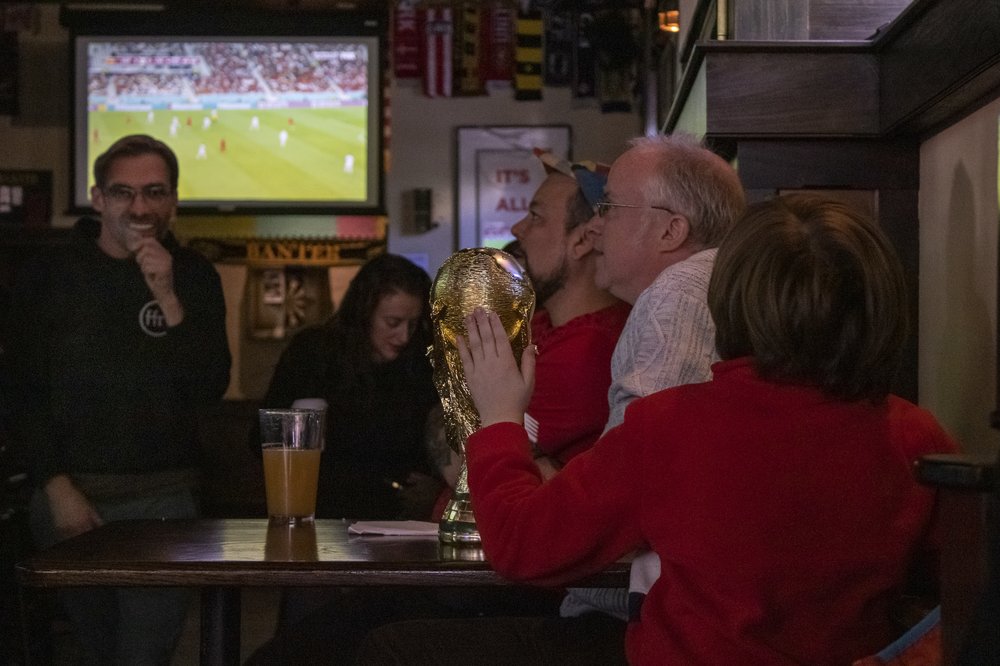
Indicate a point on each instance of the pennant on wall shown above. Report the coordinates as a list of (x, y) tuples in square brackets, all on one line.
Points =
[(558, 70), (528, 56), (406, 40), (439, 31)]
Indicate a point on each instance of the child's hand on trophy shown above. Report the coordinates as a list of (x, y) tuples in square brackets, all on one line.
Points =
[(499, 388)]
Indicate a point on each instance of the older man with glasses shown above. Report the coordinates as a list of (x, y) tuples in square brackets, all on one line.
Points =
[(116, 341), (667, 204)]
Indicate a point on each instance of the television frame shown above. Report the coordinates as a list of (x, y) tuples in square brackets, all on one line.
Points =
[(229, 25)]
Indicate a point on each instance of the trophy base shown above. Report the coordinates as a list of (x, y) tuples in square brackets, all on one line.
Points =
[(466, 552), (458, 524)]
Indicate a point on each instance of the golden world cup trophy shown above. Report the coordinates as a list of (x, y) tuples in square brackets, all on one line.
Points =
[(476, 277)]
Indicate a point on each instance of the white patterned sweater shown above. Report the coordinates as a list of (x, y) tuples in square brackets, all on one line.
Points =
[(668, 340)]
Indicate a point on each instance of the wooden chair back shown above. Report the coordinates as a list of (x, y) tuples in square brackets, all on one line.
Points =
[(966, 486)]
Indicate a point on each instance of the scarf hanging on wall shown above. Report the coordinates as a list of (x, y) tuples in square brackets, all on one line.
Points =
[(497, 58), (470, 81), (406, 39), (439, 33), (528, 56)]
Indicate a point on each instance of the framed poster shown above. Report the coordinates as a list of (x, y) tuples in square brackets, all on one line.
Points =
[(497, 174)]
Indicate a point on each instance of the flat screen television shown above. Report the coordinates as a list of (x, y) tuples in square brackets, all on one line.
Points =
[(264, 115)]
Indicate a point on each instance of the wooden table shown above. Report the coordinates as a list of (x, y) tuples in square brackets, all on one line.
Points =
[(220, 556)]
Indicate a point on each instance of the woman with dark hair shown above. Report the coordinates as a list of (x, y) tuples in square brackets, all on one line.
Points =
[(779, 496), (368, 362)]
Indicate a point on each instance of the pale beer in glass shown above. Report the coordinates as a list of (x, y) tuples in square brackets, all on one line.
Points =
[(291, 443)]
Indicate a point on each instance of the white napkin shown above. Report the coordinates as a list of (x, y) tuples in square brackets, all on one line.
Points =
[(310, 403), (394, 528)]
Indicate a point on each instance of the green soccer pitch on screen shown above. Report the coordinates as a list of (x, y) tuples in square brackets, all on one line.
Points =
[(284, 124)]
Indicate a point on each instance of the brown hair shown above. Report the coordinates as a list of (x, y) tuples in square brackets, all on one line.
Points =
[(814, 292), (134, 145), (578, 210)]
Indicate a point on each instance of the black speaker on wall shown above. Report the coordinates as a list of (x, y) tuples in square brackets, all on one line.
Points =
[(423, 209), (418, 209)]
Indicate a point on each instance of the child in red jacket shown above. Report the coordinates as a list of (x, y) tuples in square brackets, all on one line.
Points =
[(779, 496)]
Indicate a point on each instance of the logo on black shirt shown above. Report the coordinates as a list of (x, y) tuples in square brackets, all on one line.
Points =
[(151, 320)]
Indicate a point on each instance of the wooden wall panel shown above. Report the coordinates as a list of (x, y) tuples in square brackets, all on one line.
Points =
[(857, 164), (848, 115), (792, 93), (851, 19), (941, 61), (770, 19), (811, 19)]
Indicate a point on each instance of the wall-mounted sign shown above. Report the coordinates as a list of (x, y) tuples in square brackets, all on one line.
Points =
[(305, 253), (497, 177)]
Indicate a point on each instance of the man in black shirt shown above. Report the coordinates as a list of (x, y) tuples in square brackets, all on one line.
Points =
[(115, 341)]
